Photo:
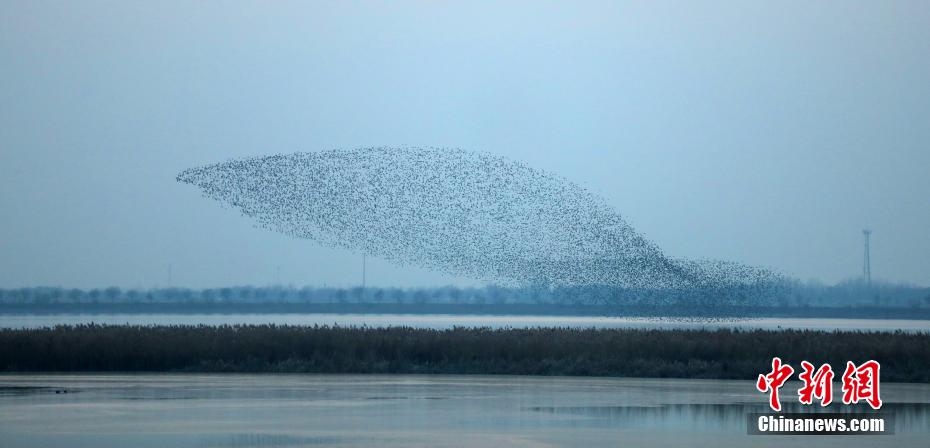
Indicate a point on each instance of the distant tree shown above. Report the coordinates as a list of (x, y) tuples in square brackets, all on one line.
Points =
[(75, 295), (397, 295), (94, 295), (496, 294), (456, 295), (132, 295), (208, 295), (112, 293), (358, 294)]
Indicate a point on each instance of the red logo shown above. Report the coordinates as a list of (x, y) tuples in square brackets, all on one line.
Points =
[(773, 381), (859, 383), (816, 385)]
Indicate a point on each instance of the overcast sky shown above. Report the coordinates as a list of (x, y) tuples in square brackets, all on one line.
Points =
[(769, 133)]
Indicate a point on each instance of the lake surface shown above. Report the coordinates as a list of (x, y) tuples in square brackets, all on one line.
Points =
[(440, 321), (181, 410)]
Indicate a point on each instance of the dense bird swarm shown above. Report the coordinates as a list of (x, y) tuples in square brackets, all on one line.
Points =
[(465, 213)]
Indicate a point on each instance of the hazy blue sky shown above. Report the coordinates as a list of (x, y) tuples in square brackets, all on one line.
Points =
[(768, 133)]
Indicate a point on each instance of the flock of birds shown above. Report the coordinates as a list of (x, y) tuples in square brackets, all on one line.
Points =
[(461, 212)]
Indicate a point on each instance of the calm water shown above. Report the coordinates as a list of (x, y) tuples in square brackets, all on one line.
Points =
[(449, 321), (406, 410)]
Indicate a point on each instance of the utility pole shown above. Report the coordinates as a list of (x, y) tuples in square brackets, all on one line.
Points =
[(866, 263), (364, 257)]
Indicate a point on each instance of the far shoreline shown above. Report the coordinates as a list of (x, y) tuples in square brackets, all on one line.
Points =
[(673, 311)]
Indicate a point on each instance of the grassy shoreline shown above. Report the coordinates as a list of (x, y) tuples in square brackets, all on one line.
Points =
[(709, 354)]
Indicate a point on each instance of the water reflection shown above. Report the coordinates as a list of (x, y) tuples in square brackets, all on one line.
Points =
[(907, 417), (23, 390)]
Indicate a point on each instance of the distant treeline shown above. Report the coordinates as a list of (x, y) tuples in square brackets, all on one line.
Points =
[(795, 294), (471, 309), (722, 354)]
